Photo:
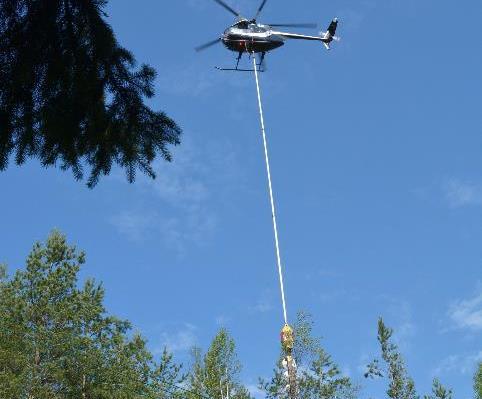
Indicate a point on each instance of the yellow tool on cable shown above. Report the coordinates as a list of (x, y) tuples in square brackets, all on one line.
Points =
[(287, 339), (288, 362)]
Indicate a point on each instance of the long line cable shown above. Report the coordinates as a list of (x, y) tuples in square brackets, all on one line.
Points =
[(273, 212)]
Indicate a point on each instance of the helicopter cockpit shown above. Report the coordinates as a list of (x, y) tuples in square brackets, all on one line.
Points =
[(255, 28), (250, 26), (243, 24)]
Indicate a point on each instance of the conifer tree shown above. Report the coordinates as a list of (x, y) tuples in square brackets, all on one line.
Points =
[(439, 391), (71, 96), (478, 382), (57, 340), (318, 375), (400, 384), (215, 375)]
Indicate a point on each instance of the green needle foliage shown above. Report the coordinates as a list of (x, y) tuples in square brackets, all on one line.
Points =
[(70, 95), (57, 341), (400, 384), (215, 375), (318, 376), (439, 391), (478, 382)]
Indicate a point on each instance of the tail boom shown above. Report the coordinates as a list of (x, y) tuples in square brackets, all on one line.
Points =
[(325, 37)]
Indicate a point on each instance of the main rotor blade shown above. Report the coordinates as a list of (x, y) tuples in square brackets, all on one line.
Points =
[(231, 10), (294, 25), (206, 45), (260, 8)]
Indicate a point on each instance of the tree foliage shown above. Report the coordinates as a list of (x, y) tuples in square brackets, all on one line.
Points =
[(215, 375), (400, 384), (478, 382), (57, 341), (69, 94), (439, 391), (318, 376)]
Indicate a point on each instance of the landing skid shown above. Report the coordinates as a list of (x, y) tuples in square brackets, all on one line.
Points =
[(260, 66), (238, 69)]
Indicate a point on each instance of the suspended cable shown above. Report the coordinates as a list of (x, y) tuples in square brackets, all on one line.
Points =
[(273, 212)]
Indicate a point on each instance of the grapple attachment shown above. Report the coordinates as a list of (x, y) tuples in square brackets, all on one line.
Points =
[(288, 362)]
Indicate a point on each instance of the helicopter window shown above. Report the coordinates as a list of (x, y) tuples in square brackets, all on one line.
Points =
[(256, 28), (241, 25)]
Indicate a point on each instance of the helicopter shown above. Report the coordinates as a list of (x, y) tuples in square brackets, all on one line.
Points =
[(249, 36)]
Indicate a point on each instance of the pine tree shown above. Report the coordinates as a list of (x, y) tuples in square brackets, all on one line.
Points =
[(70, 95), (215, 375), (439, 391), (318, 376), (478, 382), (400, 384), (57, 341)]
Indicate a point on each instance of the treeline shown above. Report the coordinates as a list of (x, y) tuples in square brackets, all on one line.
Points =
[(58, 341)]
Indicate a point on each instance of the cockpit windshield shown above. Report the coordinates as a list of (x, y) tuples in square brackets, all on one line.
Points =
[(249, 25), (257, 28), (241, 24)]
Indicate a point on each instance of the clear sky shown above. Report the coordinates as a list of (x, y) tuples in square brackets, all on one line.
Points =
[(376, 154)]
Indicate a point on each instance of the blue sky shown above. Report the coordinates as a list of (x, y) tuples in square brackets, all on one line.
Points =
[(376, 152)]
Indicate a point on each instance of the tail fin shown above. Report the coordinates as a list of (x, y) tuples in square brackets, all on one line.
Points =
[(332, 27), (329, 35)]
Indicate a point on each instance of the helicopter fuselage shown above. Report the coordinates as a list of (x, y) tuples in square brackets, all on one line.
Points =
[(251, 38)]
